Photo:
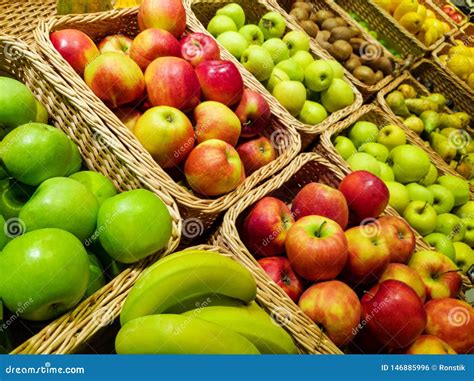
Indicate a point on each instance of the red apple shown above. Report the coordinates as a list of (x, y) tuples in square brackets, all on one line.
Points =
[(254, 113), (430, 345), (457, 18), (399, 236), (265, 227), (152, 44), (75, 47), (393, 313), (368, 255), (214, 168), (280, 271), (364, 342), (336, 307), (213, 120), (405, 274), (115, 78), (452, 321), (439, 274), (166, 133), (448, 9), (199, 47), (316, 247), (220, 81), (117, 43), (128, 116), (256, 153), (169, 15), (366, 195), (171, 81), (321, 200)]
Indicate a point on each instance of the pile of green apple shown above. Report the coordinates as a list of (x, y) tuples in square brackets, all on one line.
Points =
[(309, 89), (437, 207), (445, 132), (62, 228)]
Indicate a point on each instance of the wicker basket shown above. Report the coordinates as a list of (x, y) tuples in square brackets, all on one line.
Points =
[(406, 43), (101, 152), (204, 10), (198, 213), (439, 3), (284, 7), (20, 18), (465, 34)]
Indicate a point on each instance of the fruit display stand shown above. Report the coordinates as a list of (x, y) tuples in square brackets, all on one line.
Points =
[(442, 3), (372, 50), (408, 45), (197, 212), (101, 152), (465, 34), (204, 10)]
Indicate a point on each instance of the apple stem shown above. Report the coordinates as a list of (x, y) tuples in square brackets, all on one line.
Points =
[(318, 234), (424, 206), (447, 272), (369, 293)]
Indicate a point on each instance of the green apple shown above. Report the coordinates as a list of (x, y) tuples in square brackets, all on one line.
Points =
[(430, 177), (457, 186), (344, 147), (4, 237), (220, 24), (96, 276), (111, 267), (312, 113), (392, 136), (386, 173), (252, 34), (442, 244), (18, 105), (235, 12), (14, 196), (363, 132), (318, 76), (469, 237), (61, 203), (409, 163), (41, 113), (466, 210), (35, 152), (337, 68), (273, 25), (276, 77), (362, 161), (450, 225), (257, 61), (43, 274), (75, 164), (100, 186), (377, 150), (421, 216), (418, 192), (302, 58), (133, 225), (338, 96), (277, 49), (296, 41), (443, 201), (234, 42), (464, 256), (291, 68), (399, 198), (291, 95)]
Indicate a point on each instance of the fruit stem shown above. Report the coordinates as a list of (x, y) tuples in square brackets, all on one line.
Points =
[(447, 272), (318, 234)]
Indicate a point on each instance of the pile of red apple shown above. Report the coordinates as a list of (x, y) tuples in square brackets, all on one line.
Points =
[(356, 274), (453, 14), (188, 108)]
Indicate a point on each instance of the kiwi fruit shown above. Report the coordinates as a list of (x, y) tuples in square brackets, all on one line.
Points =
[(340, 33), (329, 24), (309, 27), (313, 18), (356, 43), (321, 16), (340, 21), (378, 76), (299, 13), (322, 39), (341, 50), (302, 5), (364, 74), (384, 64), (355, 31), (352, 63)]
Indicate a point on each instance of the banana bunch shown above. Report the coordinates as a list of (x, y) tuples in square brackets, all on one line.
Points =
[(416, 18), (197, 302), (460, 59)]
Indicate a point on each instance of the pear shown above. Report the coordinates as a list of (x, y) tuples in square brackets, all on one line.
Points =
[(417, 106), (430, 119), (449, 120), (437, 98), (396, 101), (464, 117), (468, 148), (447, 131), (441, 145), (408, 91), (466, 166)]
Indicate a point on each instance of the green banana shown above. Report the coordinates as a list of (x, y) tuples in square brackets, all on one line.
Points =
[(179, 334), (183, 276), (259, 329), (206, 300)]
